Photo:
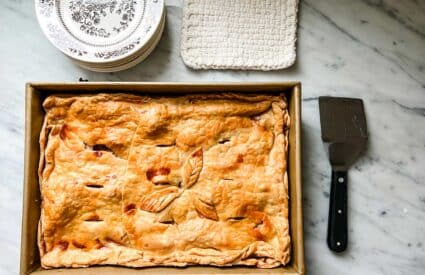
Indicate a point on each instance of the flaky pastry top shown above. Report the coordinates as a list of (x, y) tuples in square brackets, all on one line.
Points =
[(164, 180)]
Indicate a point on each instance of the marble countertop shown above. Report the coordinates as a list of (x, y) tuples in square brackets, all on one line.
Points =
[(370, 49)]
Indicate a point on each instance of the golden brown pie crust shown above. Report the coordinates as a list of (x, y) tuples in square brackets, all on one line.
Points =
[(145, 181)]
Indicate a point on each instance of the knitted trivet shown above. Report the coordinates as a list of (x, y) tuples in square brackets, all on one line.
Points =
[(239, 34)]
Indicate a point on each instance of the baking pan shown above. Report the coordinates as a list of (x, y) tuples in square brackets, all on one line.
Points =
[(37, 92)]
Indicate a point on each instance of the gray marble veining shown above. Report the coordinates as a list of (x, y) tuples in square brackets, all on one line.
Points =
[(373, 49)]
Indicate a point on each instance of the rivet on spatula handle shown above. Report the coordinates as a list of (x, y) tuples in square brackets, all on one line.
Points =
[(337, 221)]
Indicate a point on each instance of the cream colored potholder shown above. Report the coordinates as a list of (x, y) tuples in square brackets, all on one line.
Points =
[(239, 34)]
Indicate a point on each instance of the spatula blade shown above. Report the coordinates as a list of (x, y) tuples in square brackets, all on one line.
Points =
[(343, 125)]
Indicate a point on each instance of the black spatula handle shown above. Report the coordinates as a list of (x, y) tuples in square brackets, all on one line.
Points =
[(337, 221)]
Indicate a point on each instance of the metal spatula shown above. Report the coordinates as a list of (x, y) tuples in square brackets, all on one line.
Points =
[(344, 129)]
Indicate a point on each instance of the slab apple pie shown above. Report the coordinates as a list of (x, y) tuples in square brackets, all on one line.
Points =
[(164, 180)]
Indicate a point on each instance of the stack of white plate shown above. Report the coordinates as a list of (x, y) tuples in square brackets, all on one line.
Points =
[(103, 35)]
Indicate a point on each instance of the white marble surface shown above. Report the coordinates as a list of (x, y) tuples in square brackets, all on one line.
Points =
[(373, 49)]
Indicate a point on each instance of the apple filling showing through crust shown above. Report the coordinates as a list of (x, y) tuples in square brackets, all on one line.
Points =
[(146, 181)]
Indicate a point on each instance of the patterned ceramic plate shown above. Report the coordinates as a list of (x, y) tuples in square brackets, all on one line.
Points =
[(147, 45), (128, 62), (99, 31)]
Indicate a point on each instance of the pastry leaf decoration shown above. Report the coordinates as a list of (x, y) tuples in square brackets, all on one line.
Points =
[(161, 200), (158, 200), (192, 168), (205, 208)]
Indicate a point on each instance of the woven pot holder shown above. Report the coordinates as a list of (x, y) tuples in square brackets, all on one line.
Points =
[(239, 34)]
